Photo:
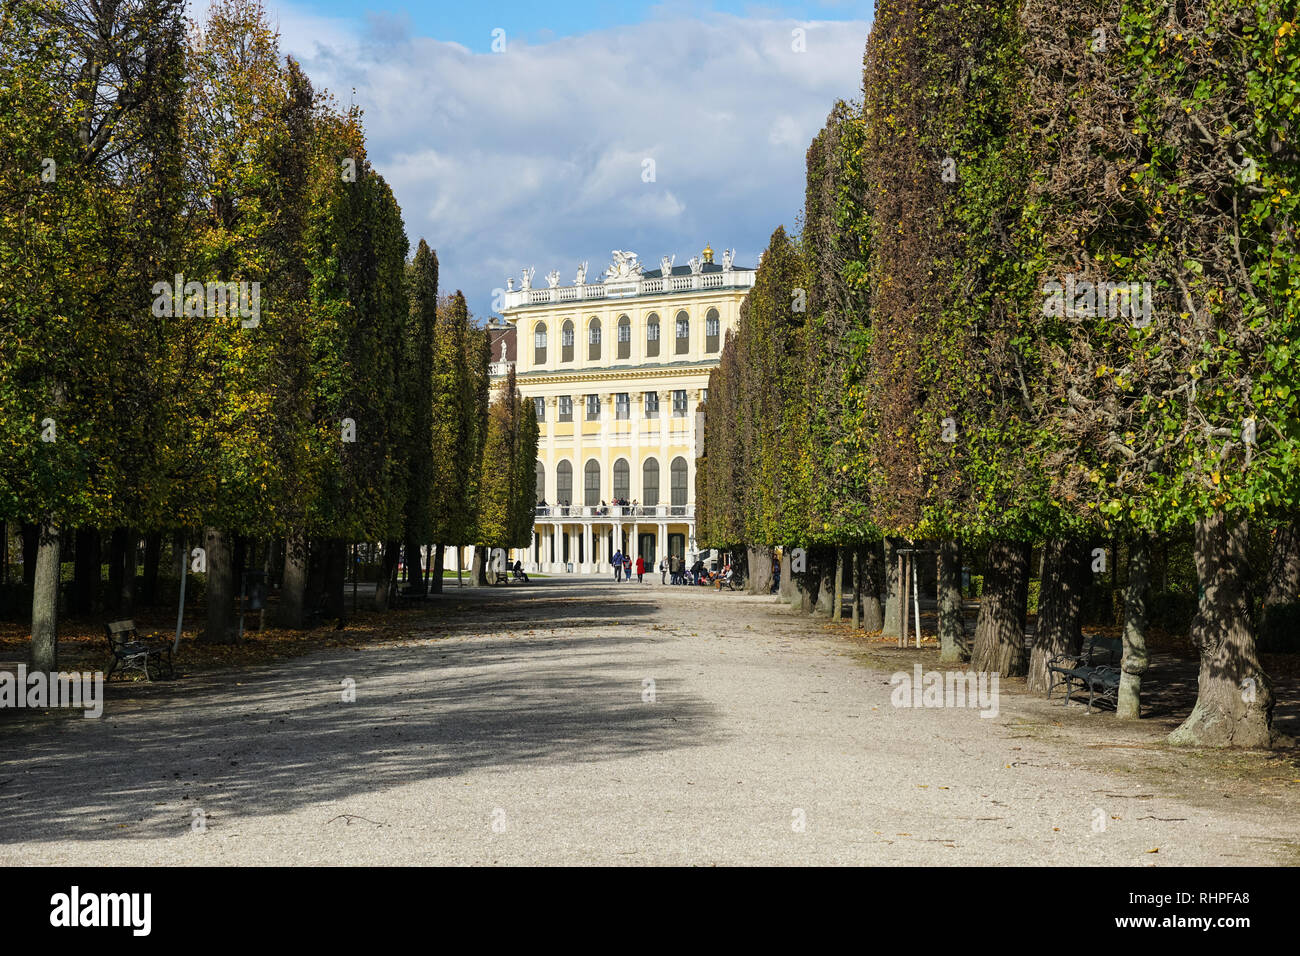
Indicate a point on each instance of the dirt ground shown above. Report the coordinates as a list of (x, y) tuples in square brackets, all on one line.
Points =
[(579, 721)]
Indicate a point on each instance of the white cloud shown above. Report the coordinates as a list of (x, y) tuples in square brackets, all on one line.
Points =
[(534, 156)]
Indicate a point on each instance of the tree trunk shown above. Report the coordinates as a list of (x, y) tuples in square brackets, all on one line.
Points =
[(414, 567), (130, 544), (1135, 661), (85, 570), (336, 576), (1284, 567), (478, 568), (435, 585), (785, 589), (856, 572), (825, 581), (952, 623), (759, 560), (387, 575), (314, 593), (893, 622), (873, 582), (149, 581), (116, 561), (293, 583), (45, 600), (837, 600), (31, 545), (1000, 631), (800, 583), (1063, 582), (220, 590), (1234, 703)]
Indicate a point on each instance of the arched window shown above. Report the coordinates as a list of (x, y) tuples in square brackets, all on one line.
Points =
[(539, 343), (593, 340), (679, 482), (652, 335), (564, 483), (591, 482), (540, 471), (683, 333), (650, 482), (621, 479), (712, 325), (624, 337), (566, 341)]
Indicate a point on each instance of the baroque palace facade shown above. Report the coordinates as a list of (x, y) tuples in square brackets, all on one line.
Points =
[(617, 371)]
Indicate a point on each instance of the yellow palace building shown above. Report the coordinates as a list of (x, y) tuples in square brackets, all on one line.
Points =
[(616, 370)]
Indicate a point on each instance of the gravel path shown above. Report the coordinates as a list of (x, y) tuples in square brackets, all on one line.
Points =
[(513, 727)]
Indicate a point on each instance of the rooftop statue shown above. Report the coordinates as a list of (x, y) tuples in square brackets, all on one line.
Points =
[(625, 266)]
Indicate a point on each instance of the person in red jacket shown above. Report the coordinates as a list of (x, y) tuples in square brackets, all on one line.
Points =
[(640, 568)]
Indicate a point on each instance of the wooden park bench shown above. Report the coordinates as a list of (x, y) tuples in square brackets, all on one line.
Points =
[(1099, 662), (132, 652)]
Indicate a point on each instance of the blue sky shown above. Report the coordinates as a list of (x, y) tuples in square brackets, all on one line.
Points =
[(536, 155)]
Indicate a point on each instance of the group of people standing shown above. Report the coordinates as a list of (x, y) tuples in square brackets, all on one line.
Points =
[(675, 567), (672, 570), (623, 566)]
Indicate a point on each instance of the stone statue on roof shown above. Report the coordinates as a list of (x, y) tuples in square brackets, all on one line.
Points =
[(625, 266), (666, 265)]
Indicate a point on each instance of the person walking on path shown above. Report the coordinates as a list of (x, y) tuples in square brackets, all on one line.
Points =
[(618, 565), (663, 570), (640, 569), (627, 568)]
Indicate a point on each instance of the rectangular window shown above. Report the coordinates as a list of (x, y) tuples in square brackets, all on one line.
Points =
[(539, 409), (651, 404), (593, 335), (622, 405), (679, 403), (625, 333), (652, 332), (566, 408), (683, 328), (593, 408), (711, 338), (566, 338)]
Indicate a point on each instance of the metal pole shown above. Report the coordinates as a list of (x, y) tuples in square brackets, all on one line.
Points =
[(180, 611)]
